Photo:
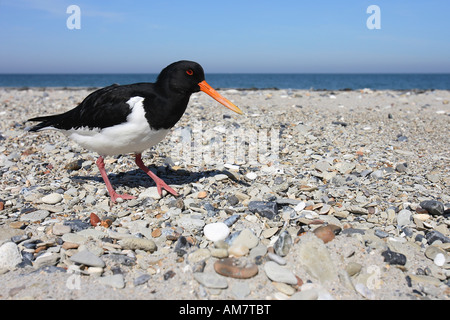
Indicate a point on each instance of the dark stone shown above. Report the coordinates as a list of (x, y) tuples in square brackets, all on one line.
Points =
[(433, 207), (267, 209), (434, 235), (340, 123), (402, 138), (181, 246), (76, 225), (394, 258), (169, 275), (231, 220), (232, 200), (141, 280)]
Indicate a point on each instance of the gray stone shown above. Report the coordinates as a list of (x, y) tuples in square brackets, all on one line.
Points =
[(115, 281), (87, 258), (315, 258), (211, 280), (9, 255), (132, 243), (46, 259), (35, 216), (283, 244), (246, 238), (277, 273), (404, 218)]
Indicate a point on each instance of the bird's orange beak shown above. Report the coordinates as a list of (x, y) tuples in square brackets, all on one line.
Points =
[(206, 88)]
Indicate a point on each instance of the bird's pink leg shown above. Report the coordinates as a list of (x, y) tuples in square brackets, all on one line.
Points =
[(160, 184), (113, 194)]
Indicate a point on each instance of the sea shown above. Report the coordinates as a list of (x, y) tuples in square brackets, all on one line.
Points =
[(319, 81)]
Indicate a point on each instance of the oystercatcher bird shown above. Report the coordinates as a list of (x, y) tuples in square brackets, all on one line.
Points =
[(122, 119)]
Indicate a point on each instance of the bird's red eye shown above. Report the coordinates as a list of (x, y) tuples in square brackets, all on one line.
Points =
[(190, 72)]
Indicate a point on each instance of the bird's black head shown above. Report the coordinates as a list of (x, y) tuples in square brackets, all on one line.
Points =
[(187, 77), (182, 76)]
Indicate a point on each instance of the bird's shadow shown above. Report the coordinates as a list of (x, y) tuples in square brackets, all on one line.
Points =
[(138, 178)]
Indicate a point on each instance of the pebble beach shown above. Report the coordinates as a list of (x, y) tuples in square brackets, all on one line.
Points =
[(330, 195)]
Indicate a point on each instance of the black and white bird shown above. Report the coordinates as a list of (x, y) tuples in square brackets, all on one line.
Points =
[(122, 119)]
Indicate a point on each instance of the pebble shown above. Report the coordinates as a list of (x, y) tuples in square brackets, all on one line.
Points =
[(394, 258), (265, 209), (276, 258), (60, 229), (52, 198), (238, 250), (251, 176), (277, 273), (35, 216), (433, 207), (326, 233), (116, 281), (87, 258), (46, 259), (199, 255), (283, 244), (142, 279), (133, 243), (211, 280), (315, 257), (216, 231), (10, 255), (246, 238), (404, 218), (235, 268), (439, 260)]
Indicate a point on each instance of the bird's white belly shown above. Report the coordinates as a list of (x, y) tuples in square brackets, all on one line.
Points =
[(132, 136)]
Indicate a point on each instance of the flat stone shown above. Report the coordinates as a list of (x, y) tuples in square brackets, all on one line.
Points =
[(247, 238), (235, 268), (315, 258), (52, 198), (9, 255), (35, 216), (46, 259), (60, 229), (199, 255), (87, 258), (133, 243), (115, 281), (211, 280), (425, 279), (277, 273), (74, 238)]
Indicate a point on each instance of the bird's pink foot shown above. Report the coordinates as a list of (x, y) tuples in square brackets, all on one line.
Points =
[(114, 196)]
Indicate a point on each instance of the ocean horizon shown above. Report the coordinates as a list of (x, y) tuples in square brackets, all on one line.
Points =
[(309, 81)]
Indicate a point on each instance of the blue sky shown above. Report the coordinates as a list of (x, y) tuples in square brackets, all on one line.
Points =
[(225, 36)]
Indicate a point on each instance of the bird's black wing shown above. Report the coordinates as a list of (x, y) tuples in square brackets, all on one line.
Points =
[(102, 108)]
